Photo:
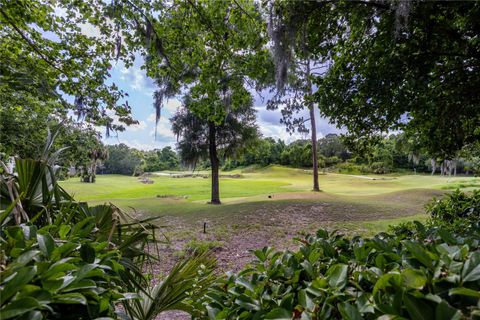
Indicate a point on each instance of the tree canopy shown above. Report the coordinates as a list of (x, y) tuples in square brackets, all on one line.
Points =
[(58, 58), (412, 66)]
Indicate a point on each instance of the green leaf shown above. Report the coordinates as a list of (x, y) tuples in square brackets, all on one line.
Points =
[(82, 284), (279, 314), (64, 230), (305, 300), (464, 292), (412, 278), (387, 280), (419, 253), (247, 302), (471, 269), (337, 276), (32, 315), (244, 283), (349, 312), (46, 244), (18, 307), (16, 281), (70, 298), (418, 309), (87, 253), (446, 312), (26, 257)]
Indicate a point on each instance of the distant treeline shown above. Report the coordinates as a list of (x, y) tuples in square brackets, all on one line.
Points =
[(390, 154)]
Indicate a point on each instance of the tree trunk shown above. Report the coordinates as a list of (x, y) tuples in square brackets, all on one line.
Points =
[(313, 129), (94, 171), (442, 165), (434, 166), (316, 186), (454, 168), (212, 133)]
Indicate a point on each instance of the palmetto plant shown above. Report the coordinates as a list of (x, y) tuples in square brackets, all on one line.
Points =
[(44, 227)]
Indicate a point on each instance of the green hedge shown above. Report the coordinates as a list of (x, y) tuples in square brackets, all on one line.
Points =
[(415, 272)]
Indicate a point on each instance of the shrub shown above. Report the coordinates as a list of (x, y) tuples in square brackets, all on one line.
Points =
[(56, 273), (454, 206), (352, 168), (332, 161), (64, 259), (380, 168), (429, 272)]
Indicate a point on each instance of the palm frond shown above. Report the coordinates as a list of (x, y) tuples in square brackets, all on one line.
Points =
[(188, 279)]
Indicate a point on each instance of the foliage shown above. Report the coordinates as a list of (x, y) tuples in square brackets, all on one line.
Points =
[(424, 272), (408, 65), (297, 154), (122, 159), (160, 160), (332, 146), (65, 59), (23, 130), (178, 291), (264, 151), (56, 272), (455, 206), (63, 259), (295, 66), (200, 139)]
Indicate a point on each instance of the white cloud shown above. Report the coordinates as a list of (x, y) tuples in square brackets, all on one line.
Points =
[(136, 77), (142, 125), (169, 108), (90, 30), (164, 129), (172, 105), (151, 117)]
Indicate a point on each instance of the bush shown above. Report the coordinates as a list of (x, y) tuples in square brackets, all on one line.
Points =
[(454, 206), (62, 259), (56, 273), (332, 161), (428, 272), (380, 168), (352, 168)]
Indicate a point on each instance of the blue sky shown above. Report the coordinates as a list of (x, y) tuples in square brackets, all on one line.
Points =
[(142, 136)]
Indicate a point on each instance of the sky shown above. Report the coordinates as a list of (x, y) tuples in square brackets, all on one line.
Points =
[(142, 136)]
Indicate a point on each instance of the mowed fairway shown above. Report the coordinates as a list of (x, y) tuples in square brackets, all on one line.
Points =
[(267, 206)]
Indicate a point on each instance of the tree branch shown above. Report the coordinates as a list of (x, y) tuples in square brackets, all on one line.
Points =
[(30, 42)]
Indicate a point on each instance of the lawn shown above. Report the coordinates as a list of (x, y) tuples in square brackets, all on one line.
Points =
[(268, 206)]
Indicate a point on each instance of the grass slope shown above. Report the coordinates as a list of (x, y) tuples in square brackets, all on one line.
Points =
[(267, 206)]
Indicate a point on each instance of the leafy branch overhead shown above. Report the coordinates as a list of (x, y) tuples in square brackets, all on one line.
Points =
[(71, 51)]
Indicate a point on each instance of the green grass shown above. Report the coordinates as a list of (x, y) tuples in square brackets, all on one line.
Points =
[(112, 187), (266, 206), (186, 197), (269, 180), (359, 197)]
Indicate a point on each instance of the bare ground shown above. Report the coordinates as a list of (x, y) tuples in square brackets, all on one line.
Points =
[(276, 223)]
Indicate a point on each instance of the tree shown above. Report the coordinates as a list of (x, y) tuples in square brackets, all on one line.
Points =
[(159, 160), (403, 65), (95, 155), (23, 131), (63, 60), (212, 50), (332, 146), (295, 66), (200, 138), (122, 159)]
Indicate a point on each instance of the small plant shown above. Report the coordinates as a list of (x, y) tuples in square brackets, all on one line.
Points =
[(58, 273), (63, 259), (417, 272), (454, 206)]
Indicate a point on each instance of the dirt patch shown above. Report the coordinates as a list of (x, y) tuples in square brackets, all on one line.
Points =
[(276, 222)]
